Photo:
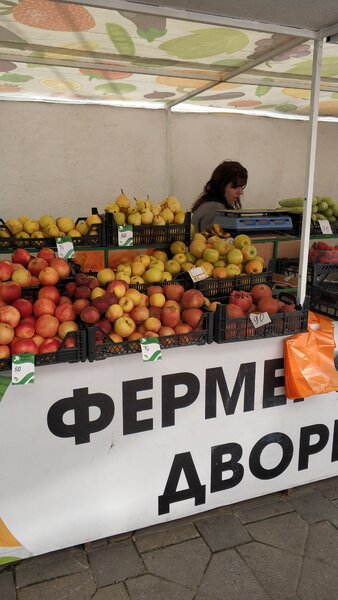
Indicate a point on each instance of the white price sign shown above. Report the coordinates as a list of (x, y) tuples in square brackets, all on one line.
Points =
[(260, 319), (198, 273), (65, 247), (325, 226), (125, 235), (23, 368)]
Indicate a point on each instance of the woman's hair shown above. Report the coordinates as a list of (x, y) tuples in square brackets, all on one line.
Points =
[(227, 172)]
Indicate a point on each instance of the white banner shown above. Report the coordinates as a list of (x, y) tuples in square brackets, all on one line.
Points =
[(95, 449)]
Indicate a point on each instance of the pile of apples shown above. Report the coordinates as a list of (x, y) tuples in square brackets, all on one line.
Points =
[(123, 313), (324, 253), (28, 270), (258, 300), (47, 226), (144, 212), (222, 258)]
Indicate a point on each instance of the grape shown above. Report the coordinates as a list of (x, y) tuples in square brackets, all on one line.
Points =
[(270, 43)]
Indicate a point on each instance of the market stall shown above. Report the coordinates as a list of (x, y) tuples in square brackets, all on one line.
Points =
[(114, 441)]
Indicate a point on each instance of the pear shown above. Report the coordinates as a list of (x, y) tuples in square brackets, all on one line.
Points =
[(174, 204), (132, 209), (14, 226), (158, 220), (38, 234), (46, 220), (179, 217), (22, 219), (147, 217), (122, 201), (112, 207), (119, 218), (141, 204), (157, 209), (134, 219), (167, 215)]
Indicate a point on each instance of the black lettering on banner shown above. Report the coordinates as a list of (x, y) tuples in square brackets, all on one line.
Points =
[(334, 455), (271, 382), (170, 402), (132, 405), (305, 448), (218, 466), (255, 455), (79, 404), (214, 378), (181, 463)]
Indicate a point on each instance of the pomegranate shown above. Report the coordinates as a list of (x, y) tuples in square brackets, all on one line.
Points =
[(234, 311), (241, 299), (259, 290), (269, 305), (289, 308)]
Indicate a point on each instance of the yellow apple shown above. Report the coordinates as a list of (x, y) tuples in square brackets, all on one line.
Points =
[(235, 257), (178, 247)]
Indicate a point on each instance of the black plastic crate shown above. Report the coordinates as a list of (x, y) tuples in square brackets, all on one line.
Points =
[(318, 273), (314, 229), (97, 239), (182, 278), (216, 288), (150, 235), (324, 302), (237, 330), (62, 355), (110, 349)]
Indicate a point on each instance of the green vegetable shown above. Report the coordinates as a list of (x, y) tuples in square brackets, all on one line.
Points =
[(323, 206), (328, 212), (291, 202), (121, 39), (335, 210), (330, 201)]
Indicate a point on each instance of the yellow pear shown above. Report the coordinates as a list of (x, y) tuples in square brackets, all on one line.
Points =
[(132, 210), (119, 218), (4, 233), (122, 200), (157, 209), (167, 215), (46, 220), (174, 204), (22, 219), (134, 219), (65, 224), (14, 226), (82, 228), (74, 233), (30, 226), (37, 234), (147, 217), (51, 231), (93, 220), (112, 207), (179, 217), (22, 234), (158, 220), (141, 204)]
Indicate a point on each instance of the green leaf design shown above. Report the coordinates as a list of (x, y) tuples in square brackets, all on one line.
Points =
[(230, 62), (15, 78), (151, 34), (334, 95), (329, 67), (287, 107), (116, 88), (261, 90), (121, 39), (206, 42)]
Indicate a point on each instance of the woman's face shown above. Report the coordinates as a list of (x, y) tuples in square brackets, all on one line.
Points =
[(232, 193)]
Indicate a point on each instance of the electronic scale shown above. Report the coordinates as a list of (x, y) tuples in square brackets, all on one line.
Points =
[(254, 220)]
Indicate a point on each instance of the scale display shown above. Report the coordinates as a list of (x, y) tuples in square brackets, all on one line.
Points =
[(253, 220)]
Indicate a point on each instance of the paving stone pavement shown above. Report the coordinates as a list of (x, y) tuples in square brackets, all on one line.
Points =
[(283, 546)]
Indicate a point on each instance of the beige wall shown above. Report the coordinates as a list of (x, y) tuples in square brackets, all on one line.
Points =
[(64, 159)]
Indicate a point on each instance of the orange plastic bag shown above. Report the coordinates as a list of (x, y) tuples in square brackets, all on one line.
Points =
[(309, 360)]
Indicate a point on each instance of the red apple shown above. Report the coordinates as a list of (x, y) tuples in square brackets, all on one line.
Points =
[(166, 330), (90, 315), (170, 316), (9, 291), (35, 281), (4, 351), (38, 339), (47, 326), (183, 328), (10, 315), (136, 335), (46, 253), (83, 291), (192, 316), (127, 304), (115, 311), (51, 292), (152, 324), (61, 266), (155, 311), (81, 279), (112, 298), (6, 334), (157, 299), (25, 307), (21, 346), (6, 270), (25, 330), (49, 345), (21, 256), (64, 300), (67, 327), (80, 304), (43, 306), (173, 303), (101, 303), (48, 276), (93, 283), (117, 287), (154, 289), (36, 265), (70, 289), (65, 312), (139, 314), (105, 325), (174, 291), (124, 326), (31, 319), (151, 334), (22, 276), (192, 299)]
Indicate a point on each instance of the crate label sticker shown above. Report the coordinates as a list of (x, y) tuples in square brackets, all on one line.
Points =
[(325, 226), (260, 319), (65, 247), (198, 273), (125, 235), (23, 368), (151, 350)]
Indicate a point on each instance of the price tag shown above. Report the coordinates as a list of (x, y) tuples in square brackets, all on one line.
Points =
[(198, 273), (65, 247), (325, 226), (23, 368), (260, 319), (151, 350), (125, 235)]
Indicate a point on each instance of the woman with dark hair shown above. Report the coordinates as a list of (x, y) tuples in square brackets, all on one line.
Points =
[(222, 191)]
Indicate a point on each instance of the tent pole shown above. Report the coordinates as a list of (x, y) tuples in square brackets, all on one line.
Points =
[(310, 169), (169, 155)]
